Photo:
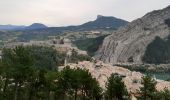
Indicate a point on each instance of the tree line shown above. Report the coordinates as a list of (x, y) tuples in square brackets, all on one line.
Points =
[(91, 45), (31, 73)]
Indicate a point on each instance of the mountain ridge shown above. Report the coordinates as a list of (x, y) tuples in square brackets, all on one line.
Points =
[(11, 27), (89, 26), (22, 27), (128, 44), (105, 22)]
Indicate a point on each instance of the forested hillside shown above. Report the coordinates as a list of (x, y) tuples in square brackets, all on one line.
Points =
[(30, 73), (158, 51), (91, 45)]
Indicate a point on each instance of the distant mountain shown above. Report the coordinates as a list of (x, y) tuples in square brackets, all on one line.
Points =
[(101, 23), (11, 27), (36, 26), (104, 22)]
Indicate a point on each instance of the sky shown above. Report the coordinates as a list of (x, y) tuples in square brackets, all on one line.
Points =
[(73, 12)]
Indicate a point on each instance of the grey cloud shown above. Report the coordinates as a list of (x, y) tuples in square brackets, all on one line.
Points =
[(73, 12)]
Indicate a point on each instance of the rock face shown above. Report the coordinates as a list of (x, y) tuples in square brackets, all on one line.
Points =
[(129, 43)]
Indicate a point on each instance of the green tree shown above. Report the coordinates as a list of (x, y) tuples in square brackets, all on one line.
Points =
[(42, 85), (165, 94), (116, 89), (46, 57), (148, 90), (25, 75), (51, 84), (18, 66), (75, 57), (74, 81), (162, 95)]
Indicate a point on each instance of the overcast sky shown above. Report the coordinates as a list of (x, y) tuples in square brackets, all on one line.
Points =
[(73, 12)]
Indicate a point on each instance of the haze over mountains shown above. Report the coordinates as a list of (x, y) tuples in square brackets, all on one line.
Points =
[(11, 27), (102, 22), (22, 27), (36, 26)]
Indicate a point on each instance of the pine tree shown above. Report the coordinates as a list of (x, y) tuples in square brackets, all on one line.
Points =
[(116, 89), (18, 66), (148, 90), (74, 81)]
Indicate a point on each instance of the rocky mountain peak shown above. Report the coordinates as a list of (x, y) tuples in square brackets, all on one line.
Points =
[(104, 22)]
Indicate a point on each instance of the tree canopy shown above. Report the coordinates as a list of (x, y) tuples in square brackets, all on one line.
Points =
[(158, 51), (116, 89)]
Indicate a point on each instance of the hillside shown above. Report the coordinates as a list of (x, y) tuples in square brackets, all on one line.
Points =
[(102, 71), (158, 52), (91, 45), (128, 44), (104, 22), (11, 27), (22, 27), (35, 26)]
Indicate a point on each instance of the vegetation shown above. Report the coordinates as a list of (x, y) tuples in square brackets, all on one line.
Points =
[(46, 57), (18, 66), (23, 78), (91, 45), (75, 57), (74, 81), (116, 89), (148, 90), (158, 52), (163, 95)]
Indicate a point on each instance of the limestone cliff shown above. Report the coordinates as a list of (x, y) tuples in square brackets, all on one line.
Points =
[(128, 44)]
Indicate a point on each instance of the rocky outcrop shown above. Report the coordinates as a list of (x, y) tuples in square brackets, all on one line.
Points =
[(102, 71), (128, 44)]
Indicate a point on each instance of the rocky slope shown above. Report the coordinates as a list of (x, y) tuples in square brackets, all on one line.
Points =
[(129, 43), (102, 71)]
